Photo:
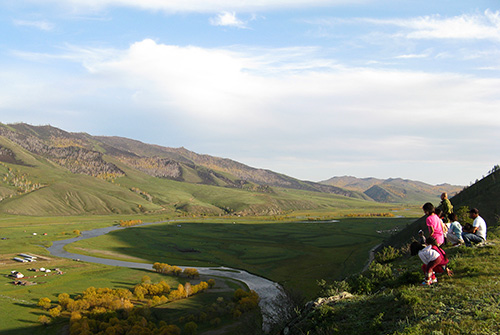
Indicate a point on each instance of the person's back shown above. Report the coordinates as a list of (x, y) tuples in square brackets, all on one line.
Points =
[(434, 222), (454, 235), (428, 254), (444, 258), (456, 228)]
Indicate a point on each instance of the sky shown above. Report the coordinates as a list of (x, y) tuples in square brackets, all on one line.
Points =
[(309, 88)]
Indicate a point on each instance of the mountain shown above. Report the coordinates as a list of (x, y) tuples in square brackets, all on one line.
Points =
[(206, 166), (45, 171), (394, 190)]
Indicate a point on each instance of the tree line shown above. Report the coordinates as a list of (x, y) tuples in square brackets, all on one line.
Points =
[(109, 311), (175, 270)]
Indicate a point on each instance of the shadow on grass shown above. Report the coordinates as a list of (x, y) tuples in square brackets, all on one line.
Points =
[(29, 321), (36, 328), (25, 305)]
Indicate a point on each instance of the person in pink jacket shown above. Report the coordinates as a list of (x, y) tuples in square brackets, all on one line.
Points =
[(434, 223)]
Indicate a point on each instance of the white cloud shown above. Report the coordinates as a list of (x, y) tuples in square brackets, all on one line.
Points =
[(412, 56), (227, 19), (273, 103), (484, 26), (480, 26), (221, 85), (42, 25), (212, 6)]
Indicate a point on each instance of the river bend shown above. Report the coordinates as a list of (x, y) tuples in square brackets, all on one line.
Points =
[(270, 293)]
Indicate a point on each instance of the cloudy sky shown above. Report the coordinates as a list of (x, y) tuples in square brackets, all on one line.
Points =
[(309, 88)]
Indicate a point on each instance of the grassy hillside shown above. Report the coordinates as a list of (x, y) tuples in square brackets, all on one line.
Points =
[(83, 153), (47, 171), (388, 298)]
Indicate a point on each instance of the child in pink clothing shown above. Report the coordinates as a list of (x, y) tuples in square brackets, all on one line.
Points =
[(434, 223)]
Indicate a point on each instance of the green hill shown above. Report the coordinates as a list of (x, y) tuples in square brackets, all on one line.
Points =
[(47, 171)]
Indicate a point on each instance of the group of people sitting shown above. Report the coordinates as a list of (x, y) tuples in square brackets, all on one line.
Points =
[(444, 227)]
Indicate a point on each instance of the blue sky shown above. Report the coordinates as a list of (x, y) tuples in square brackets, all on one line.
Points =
[(312, 89)]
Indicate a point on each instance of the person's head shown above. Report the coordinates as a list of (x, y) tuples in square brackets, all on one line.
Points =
[(431, 241), (452, 217), (428, 208), (415, 247), (438, 212), (420, 232), (444, 195), (473, 213)]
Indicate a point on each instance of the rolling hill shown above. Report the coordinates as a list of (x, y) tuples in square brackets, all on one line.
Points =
[(45, 171), (395, 190)]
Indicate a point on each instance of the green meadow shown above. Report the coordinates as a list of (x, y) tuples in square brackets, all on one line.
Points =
[(295, 254), (16, 232), (18, 307)]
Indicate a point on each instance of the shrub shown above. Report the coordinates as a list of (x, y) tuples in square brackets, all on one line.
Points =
[(190, 328), (43, 319), (45, 303), (380, 272), (463, 215), (55, 312), (361, 284), (410, 277), (388, 254), (334, 288)]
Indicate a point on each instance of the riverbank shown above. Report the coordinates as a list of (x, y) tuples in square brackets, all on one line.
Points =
[(269, 292)]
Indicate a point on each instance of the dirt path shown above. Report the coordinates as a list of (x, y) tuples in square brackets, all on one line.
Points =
[(371, 257)]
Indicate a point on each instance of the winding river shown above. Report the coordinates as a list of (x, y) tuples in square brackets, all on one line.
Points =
[(270, 293)]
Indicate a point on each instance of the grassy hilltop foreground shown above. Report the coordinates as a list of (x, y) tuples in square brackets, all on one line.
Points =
[(388, 298)]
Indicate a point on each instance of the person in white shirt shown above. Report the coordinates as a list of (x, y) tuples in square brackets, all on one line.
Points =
[(477, 233), (427, 255)]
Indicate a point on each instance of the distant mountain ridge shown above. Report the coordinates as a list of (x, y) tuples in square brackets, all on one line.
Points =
[(83, 153), (215, 166), (47, 171), (393, 190)]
